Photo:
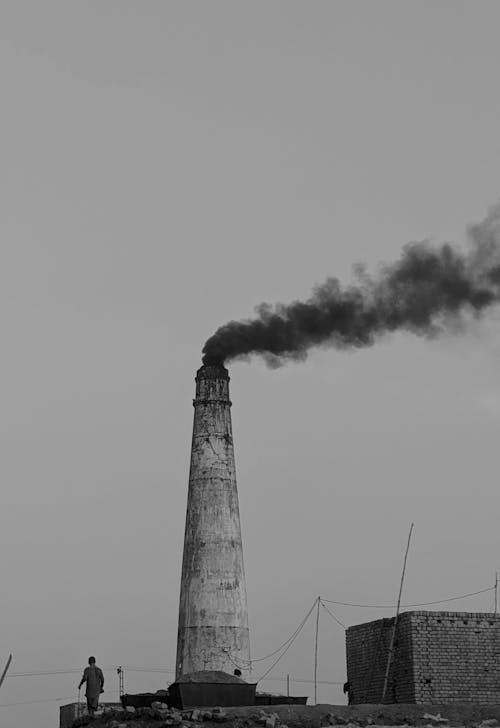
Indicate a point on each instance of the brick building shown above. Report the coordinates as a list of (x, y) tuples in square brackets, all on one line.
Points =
[(439, 657)]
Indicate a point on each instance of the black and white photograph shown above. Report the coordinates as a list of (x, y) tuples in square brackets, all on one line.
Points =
[(250, 363)]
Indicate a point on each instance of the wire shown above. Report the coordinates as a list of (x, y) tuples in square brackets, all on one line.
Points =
[(303, 680), (32, 702), (48, 700), (271, 654), (45, 672), (420, 604), (78, 670), (332, 614), (297, 631), (148, 669)]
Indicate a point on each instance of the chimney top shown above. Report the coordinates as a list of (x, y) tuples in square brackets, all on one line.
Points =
[(212, 371)]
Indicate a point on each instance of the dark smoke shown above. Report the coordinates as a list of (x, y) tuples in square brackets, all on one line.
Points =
[(427, 291)]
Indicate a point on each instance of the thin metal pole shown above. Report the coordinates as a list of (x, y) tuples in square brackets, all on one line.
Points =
[(496, 590), (393, 635), (4, 673), (316, 654), (121, 681), (288, 686)]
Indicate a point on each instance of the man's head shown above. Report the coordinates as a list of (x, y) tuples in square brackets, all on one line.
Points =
[(91, 660)]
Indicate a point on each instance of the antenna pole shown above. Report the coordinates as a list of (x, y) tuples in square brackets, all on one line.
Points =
[(393, 635), (121, 687), (316, 654)]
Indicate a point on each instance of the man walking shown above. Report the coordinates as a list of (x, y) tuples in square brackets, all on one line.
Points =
[(94, 679)]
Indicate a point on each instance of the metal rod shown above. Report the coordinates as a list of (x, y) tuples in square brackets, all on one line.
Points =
[(4, 673), (121, 680), (288, 686), (316, 654), (393, 635), (496, 590)]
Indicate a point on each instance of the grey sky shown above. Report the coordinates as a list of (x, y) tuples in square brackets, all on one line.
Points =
[(166, 166)]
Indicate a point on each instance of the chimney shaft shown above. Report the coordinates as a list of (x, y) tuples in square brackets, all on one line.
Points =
[(213, 619)]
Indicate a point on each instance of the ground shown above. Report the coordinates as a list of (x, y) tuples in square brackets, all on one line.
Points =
[(317, 716)]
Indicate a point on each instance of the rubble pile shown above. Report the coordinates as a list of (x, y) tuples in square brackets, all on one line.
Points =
[(159, 715)]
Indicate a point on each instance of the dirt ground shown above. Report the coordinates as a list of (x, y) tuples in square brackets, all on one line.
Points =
[(318, 716)]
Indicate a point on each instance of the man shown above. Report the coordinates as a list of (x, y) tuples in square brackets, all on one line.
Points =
[(347, 689), (93, 677)]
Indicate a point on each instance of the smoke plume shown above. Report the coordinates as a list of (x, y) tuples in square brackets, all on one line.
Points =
[(427, 291)]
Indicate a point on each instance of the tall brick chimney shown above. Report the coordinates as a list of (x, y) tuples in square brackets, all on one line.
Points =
[(213, 618)]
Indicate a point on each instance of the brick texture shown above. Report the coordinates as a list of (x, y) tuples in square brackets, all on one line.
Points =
[(439, 657)]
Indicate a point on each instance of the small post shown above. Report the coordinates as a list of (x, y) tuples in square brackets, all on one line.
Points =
[(121, 688), (496, 591), (288, 686), (316, 654)]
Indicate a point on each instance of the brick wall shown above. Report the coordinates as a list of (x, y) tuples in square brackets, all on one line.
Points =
[(367, 650), (439, 657)]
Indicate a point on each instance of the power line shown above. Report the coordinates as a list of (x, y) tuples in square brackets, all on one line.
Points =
[(35, 673), (282, 678), (297, 631), (290, 639), (48, 700), (283, 648), (78, 670), (32, 702), (149, 669), (405, 606), (332, 614)]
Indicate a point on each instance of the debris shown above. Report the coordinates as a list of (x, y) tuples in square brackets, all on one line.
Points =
[(173, 718), (272, 720), (326, 720), (219, 715), (436, 719), (157, 705)]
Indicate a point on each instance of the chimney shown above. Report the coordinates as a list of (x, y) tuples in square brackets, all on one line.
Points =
[(213, 619)]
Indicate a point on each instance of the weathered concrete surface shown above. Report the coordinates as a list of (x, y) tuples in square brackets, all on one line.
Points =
[(213, 619)]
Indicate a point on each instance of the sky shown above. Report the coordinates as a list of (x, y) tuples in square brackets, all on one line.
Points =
[(166, 167)]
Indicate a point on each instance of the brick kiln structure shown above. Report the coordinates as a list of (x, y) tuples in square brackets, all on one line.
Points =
[(439, 657), (213, 620)]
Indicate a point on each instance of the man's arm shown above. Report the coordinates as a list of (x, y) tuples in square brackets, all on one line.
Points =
[(101, 678), (84, 679)]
